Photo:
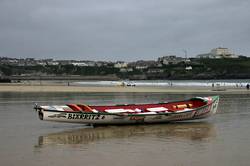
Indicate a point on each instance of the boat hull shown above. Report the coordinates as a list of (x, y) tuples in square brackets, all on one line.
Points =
[(124, 118)]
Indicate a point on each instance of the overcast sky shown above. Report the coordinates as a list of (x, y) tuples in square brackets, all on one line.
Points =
[(122, 29)]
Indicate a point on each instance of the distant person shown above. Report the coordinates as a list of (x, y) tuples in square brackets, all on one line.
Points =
[(247, 86), (212, 84)]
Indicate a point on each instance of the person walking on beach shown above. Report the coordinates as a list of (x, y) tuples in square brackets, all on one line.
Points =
[(247, 86)]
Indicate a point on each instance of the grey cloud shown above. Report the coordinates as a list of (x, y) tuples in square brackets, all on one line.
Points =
[(121, 30)]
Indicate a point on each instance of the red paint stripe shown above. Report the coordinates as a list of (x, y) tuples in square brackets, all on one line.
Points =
[(74, 107)]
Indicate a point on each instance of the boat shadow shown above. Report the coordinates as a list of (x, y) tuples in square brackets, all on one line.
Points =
[(194, 131)]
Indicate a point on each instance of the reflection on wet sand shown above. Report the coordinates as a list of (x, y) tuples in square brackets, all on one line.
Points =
[(196, 131)]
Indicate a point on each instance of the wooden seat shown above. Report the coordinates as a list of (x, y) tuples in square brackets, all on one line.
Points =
[(182, 106)]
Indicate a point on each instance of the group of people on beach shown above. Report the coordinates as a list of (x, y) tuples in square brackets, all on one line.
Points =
[(237, 85)]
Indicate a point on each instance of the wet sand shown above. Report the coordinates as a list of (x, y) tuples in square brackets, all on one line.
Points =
[(57, 87), (220, 140)]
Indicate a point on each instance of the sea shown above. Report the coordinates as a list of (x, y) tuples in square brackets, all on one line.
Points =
[(223, 139), (166, 83)]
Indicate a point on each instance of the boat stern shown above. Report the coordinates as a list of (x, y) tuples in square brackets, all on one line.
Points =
[(39, 110)]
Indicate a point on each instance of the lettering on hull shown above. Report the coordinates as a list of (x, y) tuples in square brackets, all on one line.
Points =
[(137, 118), (61, 115), (85, 116), (203, 111), (182, 116)]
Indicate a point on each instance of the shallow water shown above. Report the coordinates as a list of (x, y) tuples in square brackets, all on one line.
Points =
[(223, 139), (239, 83)]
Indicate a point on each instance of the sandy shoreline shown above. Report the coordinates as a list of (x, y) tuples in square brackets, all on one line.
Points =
[(65, 88)]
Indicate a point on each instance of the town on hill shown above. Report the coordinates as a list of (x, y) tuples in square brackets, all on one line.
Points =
[(219, 63)]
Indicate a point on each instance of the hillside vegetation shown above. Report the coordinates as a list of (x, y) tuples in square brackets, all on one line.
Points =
[(201, 69)]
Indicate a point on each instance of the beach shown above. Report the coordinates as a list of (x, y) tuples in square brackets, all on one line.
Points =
[(66, 87), (26, 140)]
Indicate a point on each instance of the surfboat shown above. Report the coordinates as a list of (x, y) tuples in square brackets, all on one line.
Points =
[(191, 109)]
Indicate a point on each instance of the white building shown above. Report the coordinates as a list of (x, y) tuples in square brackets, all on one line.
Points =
[(171, 59), (54, 63), (189, 68), (79, 64), (120, 65), (218, 53)]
